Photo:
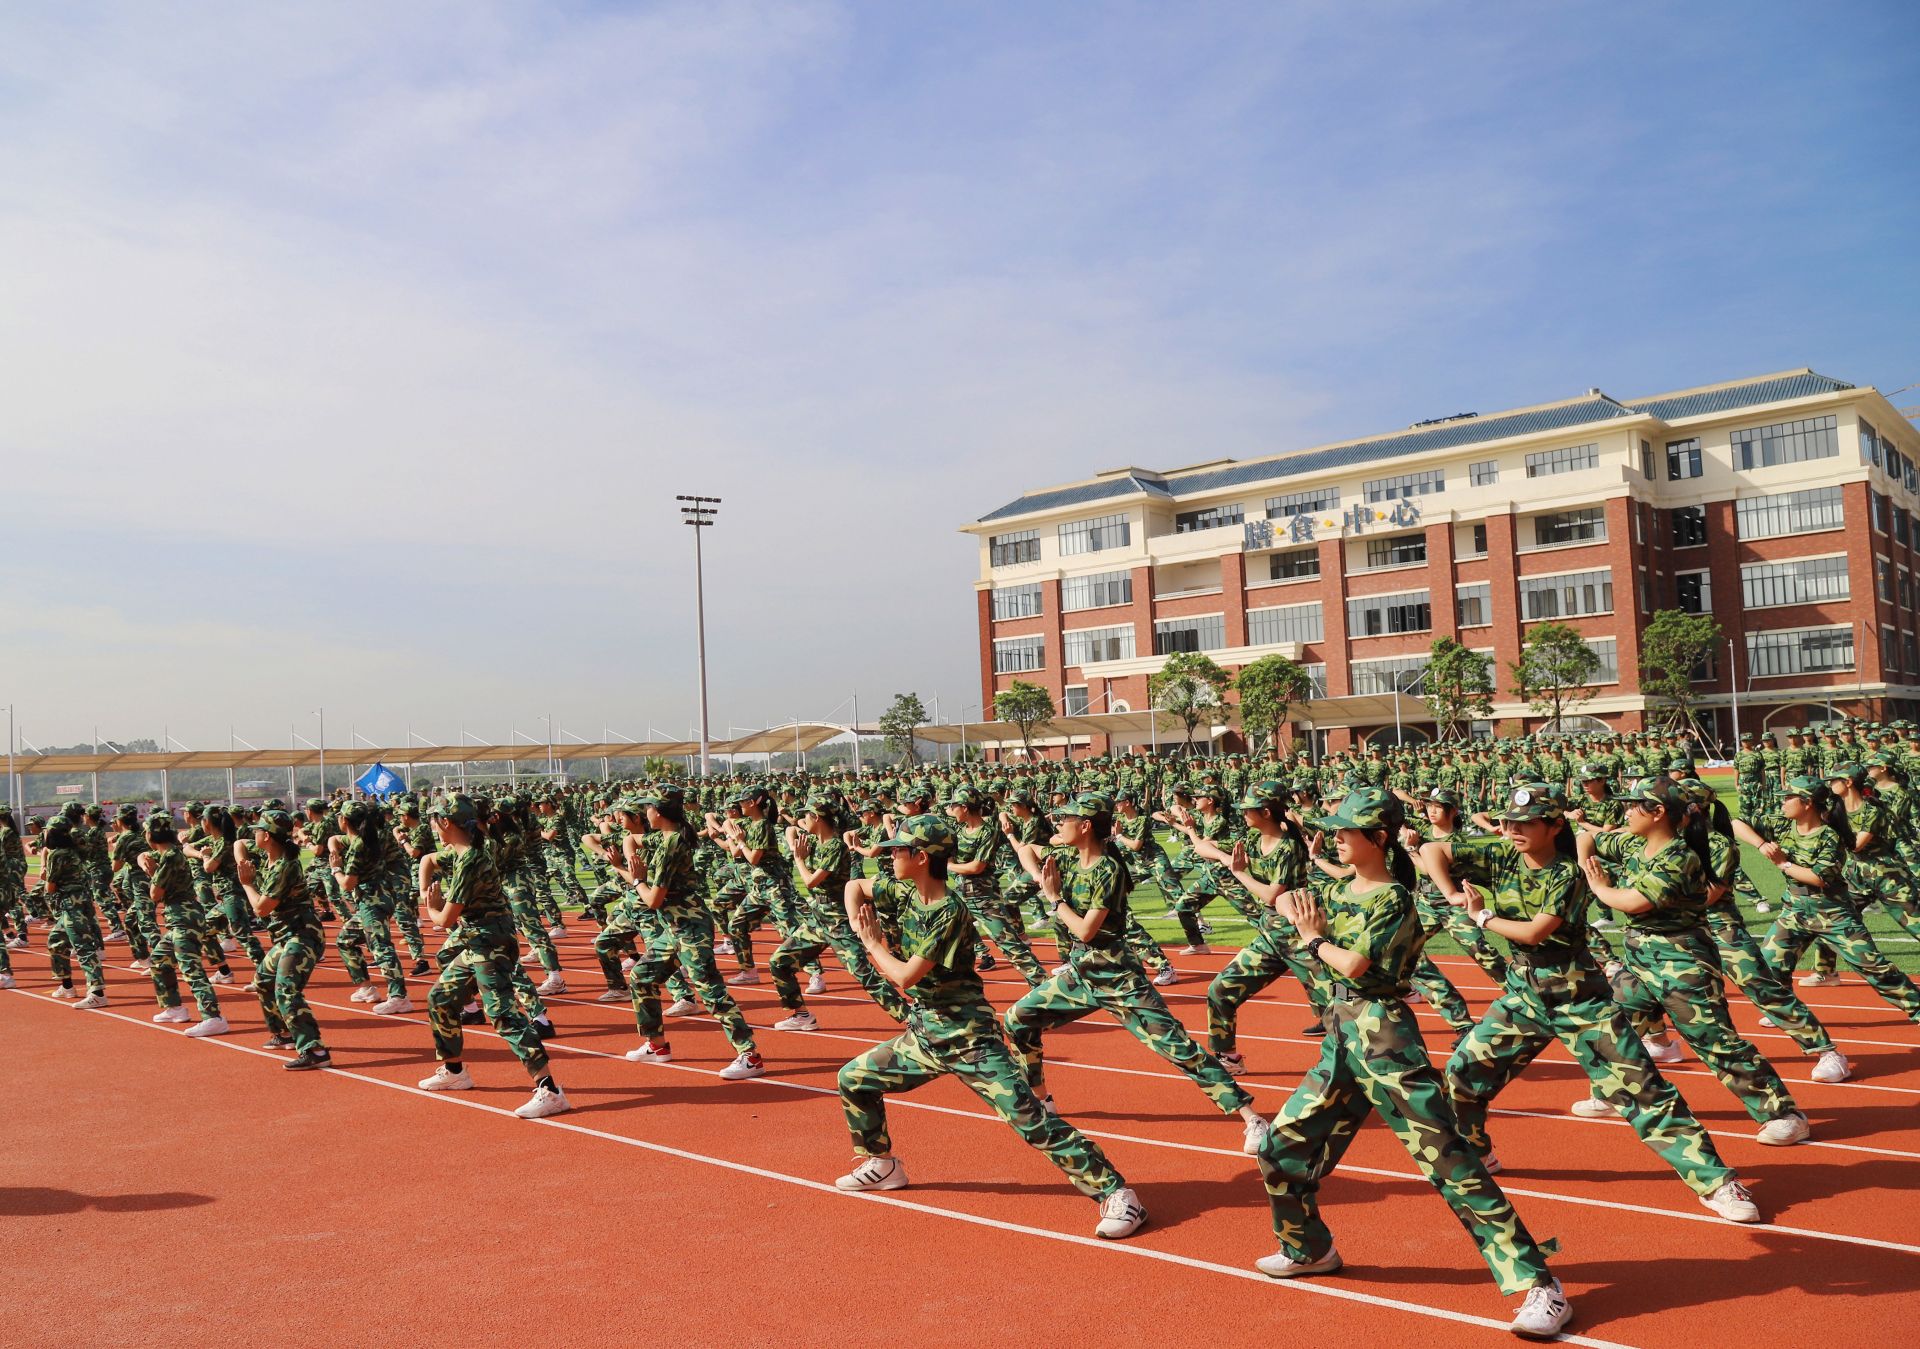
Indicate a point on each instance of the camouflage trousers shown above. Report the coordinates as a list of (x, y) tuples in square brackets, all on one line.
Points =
[(1441, 995), (488, 968), (136, 904), (983, 1063), (1537, 1009), (742, 911), (183, 948), (1748, 969), (1101, 983), (238, 915), (367, 931), (829, 928), (1208, 882), (783, 902), (1438, 916), (681, 945), (1140, 941), (1272, 953), (1833, 922), (528, 923), (1679, 973), (533, 870), (75, 935), (406, 917), (281, 985), (1374, 1060), (997, 921), (100, 885), (13, 903), (617, 932), (561, 875)]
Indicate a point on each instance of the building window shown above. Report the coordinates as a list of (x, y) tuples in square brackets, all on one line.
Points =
[(1802, 581), (1646, 459), (1569, 596), (1293, 623), (1646, 593), (1379, 615), (1786, 443), (1096, 644), (1889, 648), (1480, 539), (1295, 565), (1094, 536), (1693, 592), (1074, 702), (1903, 593), (1007, 550), (1807, 512), (1384, 676), (1017, 655), (1213, 517), (1303, 503), (1639, 529), (1913, 656), (1546, 463), (1587, 525), (1689, 526), (1683, 459), (1608, 650), (1486, 473), (1207, 633), (1869, 445), (1883, 579), (1317, 679), (1899, 467), (1877, 507), (1803, 651), (1401, 550), (1473, 605), (1902, 527), (1407, 485), (1102, 590), (1016, 602)]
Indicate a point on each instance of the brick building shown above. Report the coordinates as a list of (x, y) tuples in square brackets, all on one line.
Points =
[(1787, 505)]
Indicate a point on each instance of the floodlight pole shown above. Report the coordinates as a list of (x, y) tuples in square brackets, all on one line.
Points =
[(700, 515)]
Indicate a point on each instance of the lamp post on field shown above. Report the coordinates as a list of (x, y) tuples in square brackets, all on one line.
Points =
[(700, 515)]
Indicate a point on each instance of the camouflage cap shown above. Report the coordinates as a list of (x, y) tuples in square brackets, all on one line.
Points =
[(458, 810), (1805, 785), (1659, 791), (1695, 791), (965, 796), (277, 824), (1881, 760), (127, 813), (1592, 772), (1442, 796), (1852, 772), (1082, 807), (316, 803), (1531, 801), (1363, 808), (924, 833), (821, 804)]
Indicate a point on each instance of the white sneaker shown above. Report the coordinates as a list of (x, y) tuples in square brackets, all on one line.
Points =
[(364, 993), (399, 1006), (276, 1042), (91, 1001), (744, 977), (1662, 1051), (115, 935), (1198, 949), (614, 995), (1235, 1065), (141, 966), (170, 1016), (1832, 1067), (221, 978), (1121, 1215), (1592, 1107), (552, 985), (213, 1025), (1732, 1202), (557, 931), (626, 964), (682, 1007), (1763, 907), (1819, 980), (64, 995), (723, 947), (746, 1065), (1165, 976), (1255, 1136), (1768, 1022), (1492, 1163), (442, 1080), (546, 1101), (229, 945), (817, 985), (16, 943), (874, 1173), (1280, 1265), (1544, 1314), (6, 980), (1785, 1131), (649, 1052), (800, 1020), (251, 986)]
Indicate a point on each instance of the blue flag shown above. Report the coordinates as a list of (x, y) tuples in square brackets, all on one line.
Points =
[(379, 780)]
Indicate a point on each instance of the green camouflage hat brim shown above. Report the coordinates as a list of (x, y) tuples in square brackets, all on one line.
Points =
[(924, 833), (1363, 808), (1805, 785)]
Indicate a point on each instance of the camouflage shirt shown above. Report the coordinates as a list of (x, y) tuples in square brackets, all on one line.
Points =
[(948, 1004), (474, 884), (283, 883), (669, 863), (1381, 924), (63, 873), (832, 856), (1673, 880), (174, 881), (763, 837), (978, 843), (127, 848), (1520, 892), (1819, 851)]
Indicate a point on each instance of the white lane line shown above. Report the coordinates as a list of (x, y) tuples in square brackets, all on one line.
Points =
[(913, 1206)]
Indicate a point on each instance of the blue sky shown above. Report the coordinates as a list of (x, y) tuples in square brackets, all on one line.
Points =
[(352, 354)]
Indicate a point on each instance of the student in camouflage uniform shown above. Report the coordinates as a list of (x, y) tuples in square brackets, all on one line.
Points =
[(269, 874), (214, 853), (1809, 841), (183, 933), (1876, 871), (313, 832), (1090, 901), (1526, 889), (824, 866), (358, 865), (1671, 960), (978, 863), (556, 851), (124, 848), (1368, 938), (1131, 842), (90, 840), (63, 879), (951, 1028), (412, 841), (509, 841), (1272, 861)]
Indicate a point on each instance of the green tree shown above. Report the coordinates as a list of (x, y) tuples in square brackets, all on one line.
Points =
[(1028, 707), (1191, 686), (655, 767), (1675, 645), (1554, 675), (1458, 687), (1268, 689), (898, 723)]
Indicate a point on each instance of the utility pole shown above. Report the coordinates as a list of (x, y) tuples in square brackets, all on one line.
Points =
[(700, 514)]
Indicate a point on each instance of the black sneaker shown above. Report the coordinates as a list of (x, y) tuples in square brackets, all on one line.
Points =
[(473, 1018), (1315, 1029), (544, 1028), (420, 967), (308, 1060)]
